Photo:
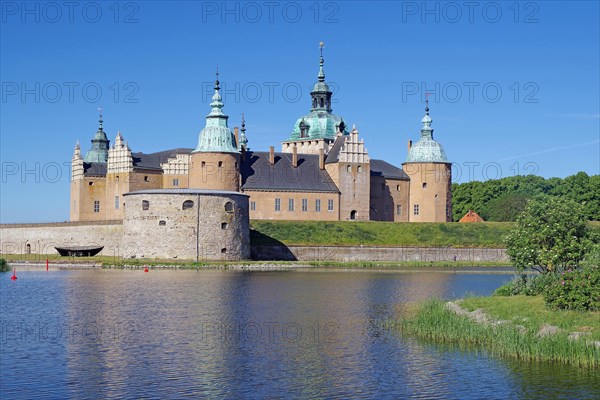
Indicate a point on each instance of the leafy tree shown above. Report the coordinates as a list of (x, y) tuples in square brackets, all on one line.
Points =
[(506, 207), (484, 197), (551, 236)]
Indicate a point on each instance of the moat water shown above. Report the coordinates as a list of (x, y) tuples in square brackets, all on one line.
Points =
[(231, 334)]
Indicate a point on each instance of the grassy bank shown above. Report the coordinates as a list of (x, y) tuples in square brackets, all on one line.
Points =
[(516, 336), (487, 234)]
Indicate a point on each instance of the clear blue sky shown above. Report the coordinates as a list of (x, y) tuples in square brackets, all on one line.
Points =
[(154, 62)]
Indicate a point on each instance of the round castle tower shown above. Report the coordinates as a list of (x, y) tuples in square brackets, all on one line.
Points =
[(215, 163), (430, 198)]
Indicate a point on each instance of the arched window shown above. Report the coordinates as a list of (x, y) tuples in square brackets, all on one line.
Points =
[(322, 102), (145, 205), (424, 185), (220, 164), (187, 205), (314, 103), (359, 169), (28, 248), (353, 215), (229, 207), (224, 225), (349, 169), (203, 164)]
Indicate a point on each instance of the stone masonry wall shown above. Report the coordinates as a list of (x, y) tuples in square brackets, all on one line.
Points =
[(41, 238), (364, 253)]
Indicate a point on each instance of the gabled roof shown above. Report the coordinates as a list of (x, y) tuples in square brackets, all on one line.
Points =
[(471, 216), (153, 160), (387, 170), (259, 174), (334, 152)]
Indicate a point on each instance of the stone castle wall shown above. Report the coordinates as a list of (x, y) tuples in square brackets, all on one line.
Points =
[(376, 253), (187, 224), (41, 238)]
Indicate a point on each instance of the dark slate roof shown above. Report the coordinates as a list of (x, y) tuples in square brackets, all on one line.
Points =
[(153, 160), (259, 174), (334, 152), (94, 169), (387, 170)]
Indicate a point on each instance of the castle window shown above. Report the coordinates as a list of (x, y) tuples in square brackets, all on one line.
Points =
[(359, 169), (314, 103), (146, 179), (424, 185), (116, 202), (203, 164), (96, 206), (176, 182), (322, 102), (162, 223), (28, 248), (349, 169), (353, 215), (220, 164), (290, 204), (224, 225), (398, 210), (91, 183), (252, 206), (330, 205), (416, 209), (398, 188), (304, 204), (145, 205), (117, 178), (187, 205), (277, 204), (223, 250), (229, 207), (318, 205)]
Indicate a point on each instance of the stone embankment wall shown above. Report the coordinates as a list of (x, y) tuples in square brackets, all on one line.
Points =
[(368, 253), (41, 238)]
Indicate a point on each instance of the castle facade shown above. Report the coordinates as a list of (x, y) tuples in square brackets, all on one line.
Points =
[(323, 172)]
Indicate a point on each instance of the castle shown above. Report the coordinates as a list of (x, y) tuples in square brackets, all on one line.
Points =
[(323, 172)]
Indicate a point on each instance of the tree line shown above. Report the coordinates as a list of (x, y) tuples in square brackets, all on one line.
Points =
[(504, 199)]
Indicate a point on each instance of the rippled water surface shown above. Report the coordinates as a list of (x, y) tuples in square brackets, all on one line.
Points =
[(232, 334)]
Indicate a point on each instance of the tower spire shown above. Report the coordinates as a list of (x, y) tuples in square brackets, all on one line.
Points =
[(426, 130), (243, 138), (321, 75), (100, 121)]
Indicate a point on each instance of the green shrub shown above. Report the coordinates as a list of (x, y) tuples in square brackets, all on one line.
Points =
[(575, 290), (526, 284), (4, 265)]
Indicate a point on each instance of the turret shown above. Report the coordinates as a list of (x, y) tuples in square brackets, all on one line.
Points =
[(215, 162), (430, 174), (99, 151)]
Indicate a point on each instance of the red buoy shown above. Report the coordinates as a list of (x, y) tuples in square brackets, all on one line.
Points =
[(14, 277), (46, 264), (146, 268)]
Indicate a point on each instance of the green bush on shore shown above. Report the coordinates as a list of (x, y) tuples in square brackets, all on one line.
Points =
[(4, 265), (575, 290)]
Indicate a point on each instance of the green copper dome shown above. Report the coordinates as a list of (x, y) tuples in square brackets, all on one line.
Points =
[(216, 136), (320, 122), (426, 149), (99, 151)]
